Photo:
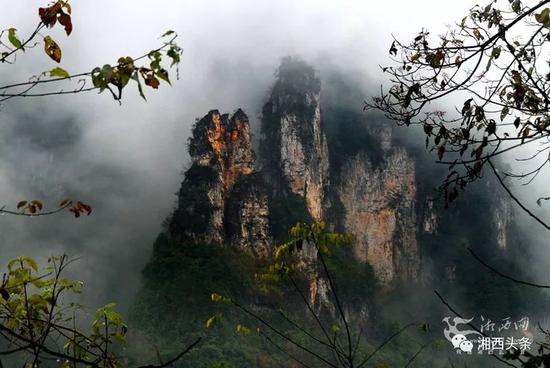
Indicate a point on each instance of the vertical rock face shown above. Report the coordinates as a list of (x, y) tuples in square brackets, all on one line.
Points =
[(294, 147), (247, 216), (429, 217), (503, 221), (220, 197), (223, 199), (224, 144), (379, 206)]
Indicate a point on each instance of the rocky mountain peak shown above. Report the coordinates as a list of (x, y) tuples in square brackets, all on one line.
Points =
[(294, 148), (224, 142), (213, 203)]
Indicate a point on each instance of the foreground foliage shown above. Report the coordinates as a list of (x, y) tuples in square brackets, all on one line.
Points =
[(147, 69), (496, 61), (40, 325)]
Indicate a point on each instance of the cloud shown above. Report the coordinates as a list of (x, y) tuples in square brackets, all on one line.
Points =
[(126, 160)]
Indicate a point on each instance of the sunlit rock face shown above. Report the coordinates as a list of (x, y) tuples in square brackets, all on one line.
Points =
[(220, 198), (294, 147), (225, 144), (380, 213), (224, 200)]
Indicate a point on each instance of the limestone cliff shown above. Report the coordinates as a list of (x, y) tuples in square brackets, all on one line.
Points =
[(319, 157), (372, 195), (380, 212), (221, 200), (294, 147)]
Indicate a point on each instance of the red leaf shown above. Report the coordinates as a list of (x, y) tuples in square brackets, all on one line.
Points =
[(65, 21), (152, 81), (48, 16), (87, 208)]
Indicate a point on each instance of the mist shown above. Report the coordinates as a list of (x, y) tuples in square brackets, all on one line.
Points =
[(126, 161)]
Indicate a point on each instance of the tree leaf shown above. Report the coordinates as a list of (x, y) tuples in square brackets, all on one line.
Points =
[(21, 204), (52, 49), (135, 77), (243, 330), (504, 113), (152, 81), (12, 37), (37, 203), (213, 320), (163, 74), (59, 72), (495, 53), (174, 54), (48, 16), (65, 21), (478, 34), (31, 263), (393, 49), (543, 17)]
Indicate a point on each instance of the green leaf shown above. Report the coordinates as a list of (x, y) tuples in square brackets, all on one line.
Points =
[(31, 263), (174, 53), (543, 17), (516, 6), (135, 77), (12, 37), (213, 320), (243, 330), (168, 33), (163, 74), (59, 72), (102, 76)]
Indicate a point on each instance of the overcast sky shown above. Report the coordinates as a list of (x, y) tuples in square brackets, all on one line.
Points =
[(126, 160)]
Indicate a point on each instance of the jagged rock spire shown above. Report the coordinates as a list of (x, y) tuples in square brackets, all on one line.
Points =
[(216, 202), (294, 147)]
